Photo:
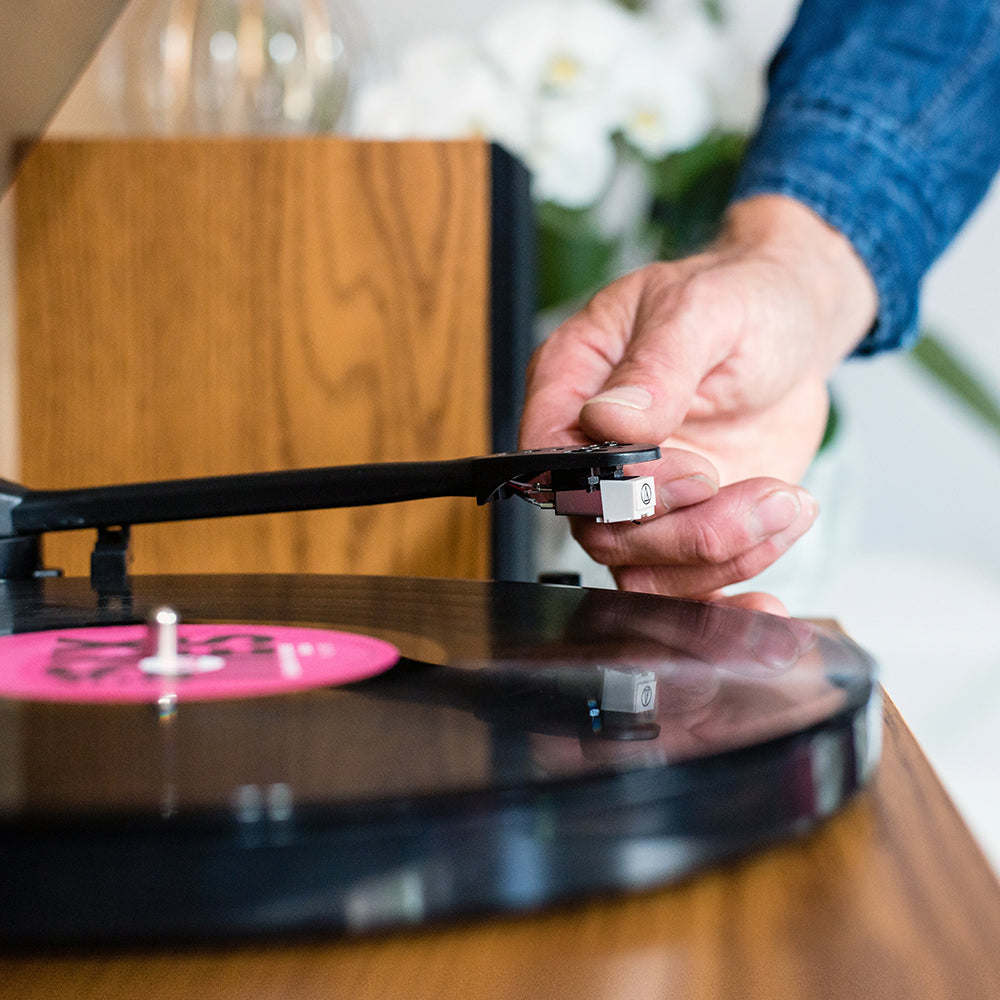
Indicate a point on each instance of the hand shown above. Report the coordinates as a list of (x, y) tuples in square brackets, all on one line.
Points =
[(724, 358)]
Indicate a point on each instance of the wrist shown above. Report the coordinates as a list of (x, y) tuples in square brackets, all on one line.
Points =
[(820, 261)]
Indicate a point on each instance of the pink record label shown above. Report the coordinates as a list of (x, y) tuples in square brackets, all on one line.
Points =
[(212, 662)]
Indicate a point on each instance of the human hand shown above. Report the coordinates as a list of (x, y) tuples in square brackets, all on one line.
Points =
[(724, 358)]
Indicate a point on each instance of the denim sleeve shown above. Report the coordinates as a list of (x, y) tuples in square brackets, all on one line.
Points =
[(883, 116)]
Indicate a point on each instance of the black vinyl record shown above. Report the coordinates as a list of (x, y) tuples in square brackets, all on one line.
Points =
[(532, 744)]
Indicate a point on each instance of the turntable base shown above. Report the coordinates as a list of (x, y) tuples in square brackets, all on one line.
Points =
[(891, 898)]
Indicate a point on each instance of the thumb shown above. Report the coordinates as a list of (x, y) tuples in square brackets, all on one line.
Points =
[(648, 393), (678, 331)]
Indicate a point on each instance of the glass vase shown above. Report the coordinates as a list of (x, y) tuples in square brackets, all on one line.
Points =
[(236, 66)]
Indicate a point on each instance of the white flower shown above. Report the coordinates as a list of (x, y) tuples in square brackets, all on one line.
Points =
[(444, 90), (719, 54), (560, 47), (556, 81), (664, 106), (572, 158)]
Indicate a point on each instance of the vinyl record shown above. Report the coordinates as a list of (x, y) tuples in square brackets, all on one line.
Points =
[(492, 748)]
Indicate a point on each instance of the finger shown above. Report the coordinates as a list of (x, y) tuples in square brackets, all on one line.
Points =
[(700, 549), (753, 600), (694, 581), (564, 372), (682, 478), (737, 519)]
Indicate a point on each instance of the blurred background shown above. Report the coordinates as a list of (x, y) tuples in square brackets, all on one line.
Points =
[(906, 554)]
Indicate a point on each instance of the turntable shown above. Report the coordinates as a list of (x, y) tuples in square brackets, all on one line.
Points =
[(436, 748)]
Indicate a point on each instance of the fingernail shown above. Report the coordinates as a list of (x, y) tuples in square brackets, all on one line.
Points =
[(631, 396), (774, 513), (685, 491)]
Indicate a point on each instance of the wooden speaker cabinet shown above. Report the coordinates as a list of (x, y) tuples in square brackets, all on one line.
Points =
[(192, 307)]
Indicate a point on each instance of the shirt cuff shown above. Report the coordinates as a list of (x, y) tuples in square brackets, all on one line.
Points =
[(848, 169)]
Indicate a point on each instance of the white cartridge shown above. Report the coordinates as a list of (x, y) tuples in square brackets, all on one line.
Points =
[(627, 499)]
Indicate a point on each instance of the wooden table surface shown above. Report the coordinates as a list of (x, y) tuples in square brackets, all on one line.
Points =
[(891, 898)]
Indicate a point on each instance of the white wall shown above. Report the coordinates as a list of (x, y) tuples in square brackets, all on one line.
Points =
[(920, 586)]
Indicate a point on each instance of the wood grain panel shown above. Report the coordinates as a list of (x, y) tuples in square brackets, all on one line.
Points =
[(891, 899), (193, 307)]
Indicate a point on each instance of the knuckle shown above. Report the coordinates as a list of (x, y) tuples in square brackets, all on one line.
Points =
[(707, 298), (746, 565), (708, 545)]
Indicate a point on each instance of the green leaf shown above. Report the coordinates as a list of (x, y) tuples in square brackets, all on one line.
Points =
[(574, 259), (951, 373), (714, 10), (691, 191), (832, 428), (677, 174)]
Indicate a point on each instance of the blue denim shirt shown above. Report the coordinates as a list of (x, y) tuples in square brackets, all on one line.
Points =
[(883, 116)]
